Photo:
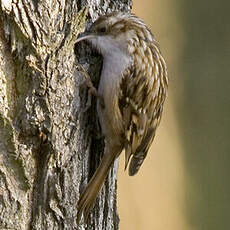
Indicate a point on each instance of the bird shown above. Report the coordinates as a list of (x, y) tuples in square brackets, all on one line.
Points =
[(130, 97)]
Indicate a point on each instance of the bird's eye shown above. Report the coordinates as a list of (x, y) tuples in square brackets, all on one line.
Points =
[(102, 29)]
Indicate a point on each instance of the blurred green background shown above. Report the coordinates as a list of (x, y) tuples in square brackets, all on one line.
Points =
[(184, 183)]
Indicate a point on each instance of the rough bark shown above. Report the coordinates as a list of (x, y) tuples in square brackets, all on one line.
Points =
[(50, 143)]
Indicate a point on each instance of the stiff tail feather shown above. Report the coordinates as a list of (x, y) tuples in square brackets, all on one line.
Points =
[(91, 191)]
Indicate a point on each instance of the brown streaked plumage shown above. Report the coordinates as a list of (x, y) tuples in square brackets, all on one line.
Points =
[(133, 87)]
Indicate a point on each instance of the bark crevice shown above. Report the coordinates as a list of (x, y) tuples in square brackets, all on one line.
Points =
[(50, 144)]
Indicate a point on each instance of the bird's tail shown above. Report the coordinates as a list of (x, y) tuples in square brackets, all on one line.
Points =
[(91, 191)]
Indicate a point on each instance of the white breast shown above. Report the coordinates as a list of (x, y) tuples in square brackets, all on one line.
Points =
[(115, 61)]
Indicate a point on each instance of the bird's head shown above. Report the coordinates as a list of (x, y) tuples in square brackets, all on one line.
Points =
[(114, 31)]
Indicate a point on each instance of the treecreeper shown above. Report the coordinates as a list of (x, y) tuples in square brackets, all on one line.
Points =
[(130, 96)]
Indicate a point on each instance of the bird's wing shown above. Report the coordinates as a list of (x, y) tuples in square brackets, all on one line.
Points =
[(143, 92)]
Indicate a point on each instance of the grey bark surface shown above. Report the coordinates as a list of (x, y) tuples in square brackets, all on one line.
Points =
[(50, 143)]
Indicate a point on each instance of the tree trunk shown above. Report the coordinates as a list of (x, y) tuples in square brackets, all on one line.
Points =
[(50, 143)]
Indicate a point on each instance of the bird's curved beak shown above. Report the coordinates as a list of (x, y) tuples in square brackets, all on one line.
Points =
[(85, 36)]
